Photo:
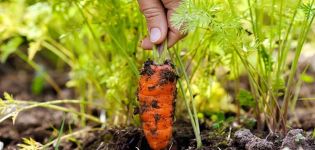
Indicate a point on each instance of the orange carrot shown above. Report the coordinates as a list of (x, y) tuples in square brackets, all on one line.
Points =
[(156, 95)]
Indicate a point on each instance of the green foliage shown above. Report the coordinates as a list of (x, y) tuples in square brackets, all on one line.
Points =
[(308, 9), (257, 34), (307, 78), (60, 134), (101, 48), (10, 108), (9, 48), (245, 98), (30, 144), (38, 82)]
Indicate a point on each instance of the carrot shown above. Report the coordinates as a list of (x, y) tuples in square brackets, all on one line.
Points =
[(156, 95)]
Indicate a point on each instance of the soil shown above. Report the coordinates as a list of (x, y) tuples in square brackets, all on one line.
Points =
[(39, 123), (183, 138), (16, 78)]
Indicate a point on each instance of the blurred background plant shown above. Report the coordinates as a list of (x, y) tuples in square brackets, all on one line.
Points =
[(263, 39), (99, 47)]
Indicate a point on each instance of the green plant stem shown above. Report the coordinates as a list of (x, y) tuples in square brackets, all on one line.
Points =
[(297, 91), (60, 134), (79, 132), (272, 23), (307, 26), (52, 105), (256, 88), (82, 105), (188, 108), (195, 116), (67, 52), (307, 99), (283, 44), (57, 52), (283, 50)]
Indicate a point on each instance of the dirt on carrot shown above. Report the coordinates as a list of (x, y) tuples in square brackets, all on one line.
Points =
[(156, 95)]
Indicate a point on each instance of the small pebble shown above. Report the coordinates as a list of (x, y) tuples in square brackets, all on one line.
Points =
[(243, 136), (251, 142), (295, 139)]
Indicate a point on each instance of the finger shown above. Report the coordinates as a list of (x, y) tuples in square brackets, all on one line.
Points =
[(147, 44), (155, 15), (174, 35)]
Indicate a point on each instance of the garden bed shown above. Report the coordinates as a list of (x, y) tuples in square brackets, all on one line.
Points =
[(39, 123)]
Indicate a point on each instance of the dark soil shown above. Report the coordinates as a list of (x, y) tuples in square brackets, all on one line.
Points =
[(39, 123), (183, 138), (133, 138)]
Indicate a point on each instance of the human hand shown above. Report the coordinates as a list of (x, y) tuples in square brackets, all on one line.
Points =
[(158, 14)]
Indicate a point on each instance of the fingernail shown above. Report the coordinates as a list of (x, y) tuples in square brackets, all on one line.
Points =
[(155, 34)]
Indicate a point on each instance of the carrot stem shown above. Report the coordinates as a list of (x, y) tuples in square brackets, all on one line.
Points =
[(160, 52), (192, 113)]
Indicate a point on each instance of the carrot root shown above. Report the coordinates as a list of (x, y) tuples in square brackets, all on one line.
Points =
[(157, 97)]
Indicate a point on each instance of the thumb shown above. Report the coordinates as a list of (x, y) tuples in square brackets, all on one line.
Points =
[(154, 13)]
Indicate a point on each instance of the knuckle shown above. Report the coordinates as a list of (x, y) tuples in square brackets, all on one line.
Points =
[(151, 12), (171, 4)]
